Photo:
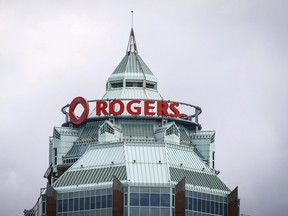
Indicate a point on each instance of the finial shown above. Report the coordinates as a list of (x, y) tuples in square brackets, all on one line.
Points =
[(132, 18), (132, 41)]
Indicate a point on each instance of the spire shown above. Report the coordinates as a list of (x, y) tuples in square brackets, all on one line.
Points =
[(132, 41)]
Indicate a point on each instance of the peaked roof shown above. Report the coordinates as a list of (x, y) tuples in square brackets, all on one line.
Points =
[(132, 43), (145, 163), (132, 69)]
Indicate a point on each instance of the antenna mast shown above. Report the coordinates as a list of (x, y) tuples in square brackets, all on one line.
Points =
[(132, 18)]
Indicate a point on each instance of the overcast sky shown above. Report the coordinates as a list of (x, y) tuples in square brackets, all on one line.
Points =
[(230, 57)]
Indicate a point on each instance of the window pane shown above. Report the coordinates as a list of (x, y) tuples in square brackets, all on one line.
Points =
[(109, 201), (155, 199), (93, 203), (194, 206), (144, 199), (87, 203), (98, 202), (165, 211), (65, 205), (104, 201), (154, 211), (76, 205), (190, 203), (134, 199), (134, 211), (165, 199), (199, 205), (144, 211), (81, 203), (165, 190), (59, 205), (70, 205), (126, 199)]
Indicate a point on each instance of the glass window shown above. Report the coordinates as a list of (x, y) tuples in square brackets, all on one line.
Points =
[(117, 85), (195, 206), (134, 189), (213, 204), (65, 205), (98, 202), (199, 205), (154, 211), (134, 199), (165, 211), (155, 199), (59, 205), (44, 207), (144, 199), (190, 203), (165, 199), (149, 85), (87, 203), (76, 205), (70, 205), (93, 202), (104, 201), (165, 190), (144, 189), (203, 206), (217, 208), (126, 199), (109, 192), (155, 190), (134, 211), (221, 209), (208, 206), (109, 201), (144, 211), (81, 204)]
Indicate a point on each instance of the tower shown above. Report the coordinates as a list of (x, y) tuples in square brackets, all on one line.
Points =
[(133, 153)]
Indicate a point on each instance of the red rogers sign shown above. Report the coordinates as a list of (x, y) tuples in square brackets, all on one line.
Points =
[(132, 107)]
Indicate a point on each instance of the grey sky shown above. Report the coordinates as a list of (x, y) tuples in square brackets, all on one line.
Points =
[(228, 57)]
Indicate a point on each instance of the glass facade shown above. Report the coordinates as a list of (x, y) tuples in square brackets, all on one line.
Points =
[(139, 201), (95, 202), (202, 204), (153, 201)]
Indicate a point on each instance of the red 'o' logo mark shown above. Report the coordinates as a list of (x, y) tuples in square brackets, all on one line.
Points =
[(75, 119)]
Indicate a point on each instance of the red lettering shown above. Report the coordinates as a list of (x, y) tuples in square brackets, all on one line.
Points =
[(183, 116), (101, 107), (176, 112), (148, 105), (112, 107), (162, 108), (75, 119), (135, 110)]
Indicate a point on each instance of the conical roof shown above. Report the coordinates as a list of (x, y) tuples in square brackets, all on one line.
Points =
[(132, 78)]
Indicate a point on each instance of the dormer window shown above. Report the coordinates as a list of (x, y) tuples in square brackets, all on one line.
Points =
[(117, 85), (150, 85), (134, 84)]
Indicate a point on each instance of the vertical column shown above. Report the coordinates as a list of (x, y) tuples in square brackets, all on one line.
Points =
[(118, 198), (51, 201), (180, 198), (233, 203)]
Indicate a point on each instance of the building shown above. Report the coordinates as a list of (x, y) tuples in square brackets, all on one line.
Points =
[(133, 153)]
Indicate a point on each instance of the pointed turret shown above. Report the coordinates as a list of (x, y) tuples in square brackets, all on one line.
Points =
[(132, 78), (132, 47)]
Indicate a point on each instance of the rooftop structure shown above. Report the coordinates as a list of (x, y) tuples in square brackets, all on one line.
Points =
[(133, 153)]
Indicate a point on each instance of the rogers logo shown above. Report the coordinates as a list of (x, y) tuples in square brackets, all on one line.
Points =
[(75, 119)]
